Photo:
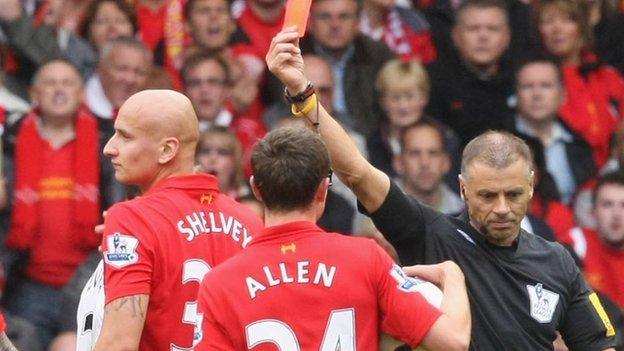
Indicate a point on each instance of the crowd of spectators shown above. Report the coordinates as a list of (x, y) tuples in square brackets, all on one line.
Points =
[(412, 81)]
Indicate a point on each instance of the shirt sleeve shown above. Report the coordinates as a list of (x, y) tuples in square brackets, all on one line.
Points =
[(586, 325), (401, 220), (405, 313), (128, 254), (214, 336)]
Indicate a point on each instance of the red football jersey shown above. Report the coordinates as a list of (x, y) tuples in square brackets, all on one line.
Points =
[(163, 243), (299, 288)]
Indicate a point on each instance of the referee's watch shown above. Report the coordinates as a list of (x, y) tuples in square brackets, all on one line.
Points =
[(301, 97)]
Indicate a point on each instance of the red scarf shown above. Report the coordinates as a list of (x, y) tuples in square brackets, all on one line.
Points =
[(406, 42), (28, 151), (174, 35)]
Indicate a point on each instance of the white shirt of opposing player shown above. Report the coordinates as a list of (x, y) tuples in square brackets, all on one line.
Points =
[(91, 311)]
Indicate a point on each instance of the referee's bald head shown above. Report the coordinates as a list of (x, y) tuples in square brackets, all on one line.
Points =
[(496, 149)]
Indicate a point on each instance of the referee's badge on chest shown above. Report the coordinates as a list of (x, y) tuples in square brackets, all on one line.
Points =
[(543, 302)]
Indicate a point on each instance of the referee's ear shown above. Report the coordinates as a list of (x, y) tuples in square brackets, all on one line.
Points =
[(531, 184), (462, 187)]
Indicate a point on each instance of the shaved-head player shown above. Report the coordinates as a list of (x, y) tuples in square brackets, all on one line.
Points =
[(157, 247)]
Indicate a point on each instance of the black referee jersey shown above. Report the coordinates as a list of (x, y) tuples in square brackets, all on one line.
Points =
[(519, 296)]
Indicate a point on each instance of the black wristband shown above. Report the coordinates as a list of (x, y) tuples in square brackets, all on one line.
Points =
[(301, 97)]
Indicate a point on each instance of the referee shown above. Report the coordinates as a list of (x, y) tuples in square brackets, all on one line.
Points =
[(522, 289)]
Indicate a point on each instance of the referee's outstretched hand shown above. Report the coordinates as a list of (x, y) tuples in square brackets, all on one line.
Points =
[(285, 61)]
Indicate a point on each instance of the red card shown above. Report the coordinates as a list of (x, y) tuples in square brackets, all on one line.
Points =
[(297, 13)]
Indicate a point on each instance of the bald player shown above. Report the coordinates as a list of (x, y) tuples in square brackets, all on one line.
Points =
[(157, 247)]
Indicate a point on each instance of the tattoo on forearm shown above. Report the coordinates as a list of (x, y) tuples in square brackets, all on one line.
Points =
[(5, 343), (132, 304)]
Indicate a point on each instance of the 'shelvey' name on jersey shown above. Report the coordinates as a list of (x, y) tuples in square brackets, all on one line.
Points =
[(201, 222), (281, 274)]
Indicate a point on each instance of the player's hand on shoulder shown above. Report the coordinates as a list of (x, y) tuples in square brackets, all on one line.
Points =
[(436, 273)]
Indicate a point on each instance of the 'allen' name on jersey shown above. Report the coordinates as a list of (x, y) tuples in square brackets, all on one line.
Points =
[(281, 274), (201, 222)]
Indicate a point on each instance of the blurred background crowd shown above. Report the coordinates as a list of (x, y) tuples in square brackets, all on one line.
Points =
[(412, 81)]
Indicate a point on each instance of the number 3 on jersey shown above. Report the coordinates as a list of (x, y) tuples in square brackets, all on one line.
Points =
[(193, 271), (339, 333)]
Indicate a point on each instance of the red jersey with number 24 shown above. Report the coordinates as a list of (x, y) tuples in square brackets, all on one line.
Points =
[(163, 243), (299, 288)]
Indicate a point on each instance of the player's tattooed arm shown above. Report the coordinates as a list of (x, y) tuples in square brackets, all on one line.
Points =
[(6, 344), (123, 323), (131, 304)]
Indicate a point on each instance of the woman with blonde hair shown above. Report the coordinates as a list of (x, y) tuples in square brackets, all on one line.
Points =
[(404, 89)]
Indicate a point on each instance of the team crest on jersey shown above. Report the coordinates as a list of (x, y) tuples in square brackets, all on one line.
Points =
[(405, 283), (122, 250), (543, 302)]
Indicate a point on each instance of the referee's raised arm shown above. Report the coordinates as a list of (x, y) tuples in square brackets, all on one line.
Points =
[(369, 184)]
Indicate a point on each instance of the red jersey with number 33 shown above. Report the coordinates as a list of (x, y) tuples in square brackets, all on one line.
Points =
[(299, 288), (162, 244)]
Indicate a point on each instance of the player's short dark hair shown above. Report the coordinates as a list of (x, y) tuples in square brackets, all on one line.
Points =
[(496, 149), (482, 4), (201, 57), (288, 165), (425, 122), (610, 178)]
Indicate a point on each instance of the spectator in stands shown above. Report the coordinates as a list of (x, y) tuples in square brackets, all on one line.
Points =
[(405, 31), (354, 58), (61, 185), (422, 165), (105, 20), (207, 81), (442, 15), (35, 41), (259, 20), (213, 29), (210, 24), (547, 216), (594, 92), (602, 249), (540, 92), (470, 92), (123, 70), (220, 153), (404, 89)]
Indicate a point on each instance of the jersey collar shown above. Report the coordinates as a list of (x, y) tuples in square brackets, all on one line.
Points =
[(284, 231), (199, 181)]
